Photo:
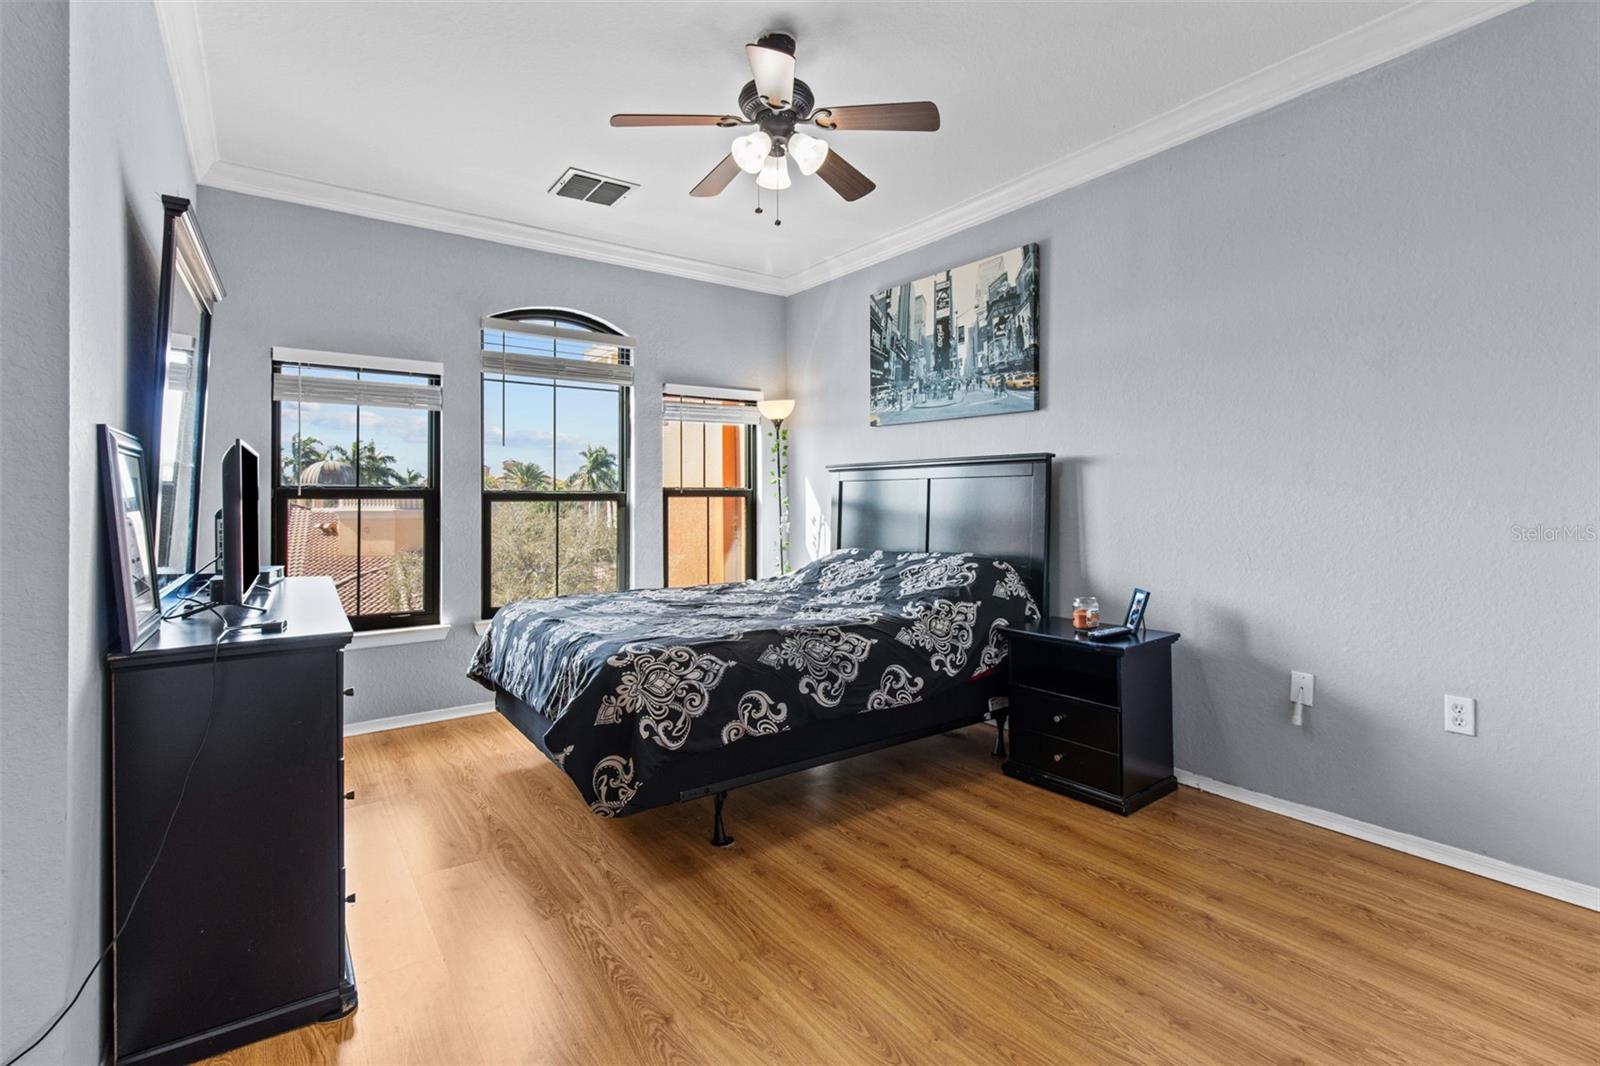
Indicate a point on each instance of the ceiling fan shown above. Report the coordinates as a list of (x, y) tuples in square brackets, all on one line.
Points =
[(776, 102)]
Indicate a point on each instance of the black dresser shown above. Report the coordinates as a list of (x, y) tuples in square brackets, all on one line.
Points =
[(239, 931), (1092, 719)]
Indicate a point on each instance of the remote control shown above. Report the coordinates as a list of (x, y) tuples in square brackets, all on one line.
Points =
[(1108, 633)]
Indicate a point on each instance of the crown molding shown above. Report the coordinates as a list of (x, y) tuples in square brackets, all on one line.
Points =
[(1387, 37), (1362, 48), (257, 182), (179, 21)]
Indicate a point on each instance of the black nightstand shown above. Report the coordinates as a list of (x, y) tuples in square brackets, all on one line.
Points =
[(1092, 719)]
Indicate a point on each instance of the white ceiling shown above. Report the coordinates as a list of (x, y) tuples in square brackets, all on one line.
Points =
[(461, 115)]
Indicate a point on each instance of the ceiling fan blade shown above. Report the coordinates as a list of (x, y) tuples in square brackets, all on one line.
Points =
[(675, 120), (920, 116), (718, 179), (846, 180)]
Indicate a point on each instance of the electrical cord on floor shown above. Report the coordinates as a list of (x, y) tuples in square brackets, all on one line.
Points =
[(216, 654)]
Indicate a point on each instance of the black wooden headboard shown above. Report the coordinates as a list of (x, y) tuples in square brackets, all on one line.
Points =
[(990, 504)]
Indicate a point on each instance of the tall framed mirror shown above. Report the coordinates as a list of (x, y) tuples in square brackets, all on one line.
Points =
[(189, 291)]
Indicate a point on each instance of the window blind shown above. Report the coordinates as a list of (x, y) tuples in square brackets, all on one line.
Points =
[(178, 373), (541, 350), (289, 384), (676, 408), (554, 366)]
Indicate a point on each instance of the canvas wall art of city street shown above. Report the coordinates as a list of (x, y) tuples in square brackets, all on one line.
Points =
[(958, 344)]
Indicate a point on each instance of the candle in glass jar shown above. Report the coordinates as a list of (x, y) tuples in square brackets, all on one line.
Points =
[(1085, 612)]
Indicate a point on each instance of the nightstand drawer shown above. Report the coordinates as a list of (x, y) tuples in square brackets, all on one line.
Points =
[(1046, 665), (1088, 723), (1086, 766)]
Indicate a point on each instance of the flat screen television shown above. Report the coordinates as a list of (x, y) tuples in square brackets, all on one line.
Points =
[(239, 554)]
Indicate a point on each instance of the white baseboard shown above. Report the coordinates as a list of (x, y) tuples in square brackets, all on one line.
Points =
[(402, 721), (1446, 855)]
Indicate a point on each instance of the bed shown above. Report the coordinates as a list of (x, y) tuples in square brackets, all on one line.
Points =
[(658, 696)]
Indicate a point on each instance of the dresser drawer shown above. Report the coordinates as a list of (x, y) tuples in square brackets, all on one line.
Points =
[(1067, 718), (1075, 762)]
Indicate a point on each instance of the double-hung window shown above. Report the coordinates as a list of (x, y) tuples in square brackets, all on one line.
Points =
[(708, 462), (555, 455), (356, 480)]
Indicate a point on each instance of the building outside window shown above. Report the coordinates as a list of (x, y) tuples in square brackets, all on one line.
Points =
[(555, 422), (708, 460), (356, 492)]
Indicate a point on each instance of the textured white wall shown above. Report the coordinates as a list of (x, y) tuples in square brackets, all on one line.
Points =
[(1304, 375), (35, 955), (95, 86), (306, 278)]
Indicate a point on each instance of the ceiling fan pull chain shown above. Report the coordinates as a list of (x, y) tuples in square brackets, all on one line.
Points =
[(777, 207), (758, 199)]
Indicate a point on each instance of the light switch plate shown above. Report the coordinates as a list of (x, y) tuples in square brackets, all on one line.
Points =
[(1301, 687)]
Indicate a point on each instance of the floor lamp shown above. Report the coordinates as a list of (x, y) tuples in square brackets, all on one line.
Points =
[(777, 411)]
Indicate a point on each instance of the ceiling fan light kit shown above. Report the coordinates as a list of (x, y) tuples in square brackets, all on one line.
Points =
[(774, 173), (751, 150), (807, 151), (775, 102)]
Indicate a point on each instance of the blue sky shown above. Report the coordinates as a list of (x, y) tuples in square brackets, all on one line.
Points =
[(546, 425)]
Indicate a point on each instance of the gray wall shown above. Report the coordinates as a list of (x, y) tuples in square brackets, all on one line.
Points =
[(1304, 375), (36, 956), (307, 278), (91, 139)]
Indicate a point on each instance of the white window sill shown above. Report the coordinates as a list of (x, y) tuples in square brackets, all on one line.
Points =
[(481, 626), (382, 638)]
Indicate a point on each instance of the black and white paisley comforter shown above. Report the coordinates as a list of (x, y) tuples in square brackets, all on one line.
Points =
[(633, 680)]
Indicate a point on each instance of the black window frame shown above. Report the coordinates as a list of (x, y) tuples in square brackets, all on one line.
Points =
[(430, 495), (493, 496), (748, 492)]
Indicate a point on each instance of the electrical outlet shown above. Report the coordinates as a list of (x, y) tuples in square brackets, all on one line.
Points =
[(1461, 715), (1301, 687)]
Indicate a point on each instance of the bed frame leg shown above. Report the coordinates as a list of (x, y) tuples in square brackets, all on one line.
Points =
[(719, 834), (999, 736)]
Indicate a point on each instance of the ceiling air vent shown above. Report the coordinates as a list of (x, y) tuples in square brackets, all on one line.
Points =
[(578, 184)]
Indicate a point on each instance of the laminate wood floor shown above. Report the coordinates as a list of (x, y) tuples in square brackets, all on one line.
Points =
[(912, 906)]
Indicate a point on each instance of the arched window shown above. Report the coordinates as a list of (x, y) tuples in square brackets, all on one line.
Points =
[(555, 454)]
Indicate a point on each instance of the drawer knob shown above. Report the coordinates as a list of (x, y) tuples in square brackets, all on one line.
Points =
[(351, 898), (349, 692), (1056, 757), (1056, 719), (350, 795)]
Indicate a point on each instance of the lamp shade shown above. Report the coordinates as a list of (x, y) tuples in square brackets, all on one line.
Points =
[(774, 173), (750, 151), (773, 69), (808, 152), (777, 410)]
